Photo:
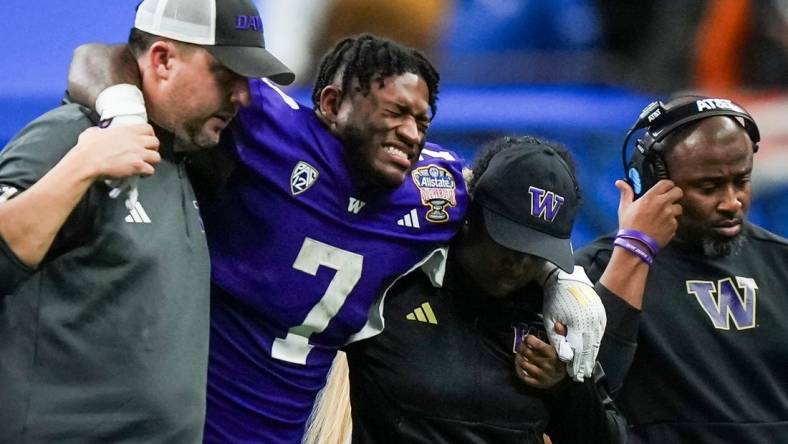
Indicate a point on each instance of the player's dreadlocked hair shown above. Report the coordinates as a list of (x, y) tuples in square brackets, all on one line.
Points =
[(367, 57)]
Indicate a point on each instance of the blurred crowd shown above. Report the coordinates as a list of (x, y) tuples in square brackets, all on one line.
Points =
[(656, 47)]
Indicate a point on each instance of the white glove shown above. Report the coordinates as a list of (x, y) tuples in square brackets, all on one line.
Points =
[(122, 105), (571, 300)]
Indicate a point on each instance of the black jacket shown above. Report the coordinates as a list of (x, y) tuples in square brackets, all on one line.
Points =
[(706, 360), (442, 371)]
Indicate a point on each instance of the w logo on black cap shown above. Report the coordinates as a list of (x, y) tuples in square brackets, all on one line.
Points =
[(544, 204)]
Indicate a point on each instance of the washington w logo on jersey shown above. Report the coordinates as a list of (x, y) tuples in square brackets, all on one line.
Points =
[(303, 176), (355, 205), (723, 301)]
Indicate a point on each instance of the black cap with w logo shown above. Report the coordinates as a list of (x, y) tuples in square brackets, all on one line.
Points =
[(529, 197)]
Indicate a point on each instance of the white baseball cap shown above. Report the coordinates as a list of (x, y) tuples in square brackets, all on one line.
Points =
[(231, 30)]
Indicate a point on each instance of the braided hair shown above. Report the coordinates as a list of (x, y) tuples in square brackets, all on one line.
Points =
[(366, 58)]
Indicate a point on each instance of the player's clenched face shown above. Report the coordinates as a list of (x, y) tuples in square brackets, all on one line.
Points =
[(384, 130), (713, 166), (202, 97)]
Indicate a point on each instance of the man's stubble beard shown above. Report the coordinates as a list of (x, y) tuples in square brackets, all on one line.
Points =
[(710, 244), (717, 247)]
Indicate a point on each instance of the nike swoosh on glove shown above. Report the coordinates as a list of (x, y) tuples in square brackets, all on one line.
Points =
[(571, 300)]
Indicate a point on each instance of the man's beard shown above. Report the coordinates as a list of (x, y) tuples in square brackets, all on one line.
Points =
[(711, 244), (714, 246)]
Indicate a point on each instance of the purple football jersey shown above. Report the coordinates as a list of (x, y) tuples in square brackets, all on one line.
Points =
[(300, 254)]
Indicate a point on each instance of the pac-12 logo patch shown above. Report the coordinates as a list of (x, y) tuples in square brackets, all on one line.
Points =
[(304, 176), (437, 188)]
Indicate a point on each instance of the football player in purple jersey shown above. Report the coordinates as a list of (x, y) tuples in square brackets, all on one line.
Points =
[(326, 208)]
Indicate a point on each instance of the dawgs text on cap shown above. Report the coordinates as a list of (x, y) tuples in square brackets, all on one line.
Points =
[(231, 30), (529, 199)]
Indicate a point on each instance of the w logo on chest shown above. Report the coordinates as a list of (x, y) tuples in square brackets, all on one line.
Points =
[(544, 204), (725, 301)]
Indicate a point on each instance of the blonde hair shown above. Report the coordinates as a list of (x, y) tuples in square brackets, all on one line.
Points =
[(330, 421)]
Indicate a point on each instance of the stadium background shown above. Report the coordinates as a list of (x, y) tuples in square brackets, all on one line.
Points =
[(575, 71)]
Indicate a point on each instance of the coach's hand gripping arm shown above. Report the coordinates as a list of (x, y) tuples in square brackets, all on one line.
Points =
[(107, 79), (30, 220)]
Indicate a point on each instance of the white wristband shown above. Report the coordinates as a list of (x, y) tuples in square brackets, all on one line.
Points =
[(125, 105), (128, 119), (121, 100)]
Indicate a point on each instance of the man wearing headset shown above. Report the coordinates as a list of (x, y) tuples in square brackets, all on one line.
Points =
[(695, 347)]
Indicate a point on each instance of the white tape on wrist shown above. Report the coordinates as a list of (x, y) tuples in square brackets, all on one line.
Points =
[(121, 100), (124, 105), (127, 119)]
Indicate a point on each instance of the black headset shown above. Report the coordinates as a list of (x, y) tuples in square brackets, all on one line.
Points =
[(646, 166)]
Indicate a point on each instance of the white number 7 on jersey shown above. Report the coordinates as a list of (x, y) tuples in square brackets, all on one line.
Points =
[(295, 346)]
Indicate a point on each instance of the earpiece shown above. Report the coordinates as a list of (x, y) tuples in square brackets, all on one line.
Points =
[(646, 166)]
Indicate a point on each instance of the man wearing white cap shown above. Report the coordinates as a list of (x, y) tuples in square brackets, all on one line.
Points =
[(104, 313)]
